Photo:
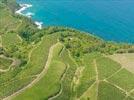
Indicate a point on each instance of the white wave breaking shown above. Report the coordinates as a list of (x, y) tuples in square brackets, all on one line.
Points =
[(28, 14), (23, 8), (39, 24)]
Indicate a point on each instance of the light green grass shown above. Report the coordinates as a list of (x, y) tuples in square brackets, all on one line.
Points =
[(5, 63)]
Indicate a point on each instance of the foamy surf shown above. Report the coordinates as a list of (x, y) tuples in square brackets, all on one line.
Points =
[(28, 14), (23, 8), (39, 24)]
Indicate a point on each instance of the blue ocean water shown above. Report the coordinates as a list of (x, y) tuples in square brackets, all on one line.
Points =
[(109, 19)]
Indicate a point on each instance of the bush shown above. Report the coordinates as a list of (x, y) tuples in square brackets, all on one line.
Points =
[(131, 50)]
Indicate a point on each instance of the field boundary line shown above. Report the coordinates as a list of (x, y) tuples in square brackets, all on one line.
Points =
[(63, 48), (89, 86), (114, 73), (115, 86), (19, 38), (97, 77), (131, 91), (87, 89)]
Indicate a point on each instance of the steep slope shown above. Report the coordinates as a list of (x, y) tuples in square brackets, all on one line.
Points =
[(58, 63)]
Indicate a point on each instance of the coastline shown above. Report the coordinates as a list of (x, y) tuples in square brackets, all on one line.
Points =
[(39, 24), (24, 7)]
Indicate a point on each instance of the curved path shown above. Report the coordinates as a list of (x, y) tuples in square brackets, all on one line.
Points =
[(14, 62), (39, 76)]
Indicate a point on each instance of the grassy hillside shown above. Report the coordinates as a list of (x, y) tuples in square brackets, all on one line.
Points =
[(58, 63)]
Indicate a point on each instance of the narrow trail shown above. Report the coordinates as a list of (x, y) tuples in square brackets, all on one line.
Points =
[(97, 77), (131, 91), (19, 38), (114, 73), (14, 63), (5, 70), (76, 78), (39, 76), (87, 90)]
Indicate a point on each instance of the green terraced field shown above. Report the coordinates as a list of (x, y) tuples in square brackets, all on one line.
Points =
[(106, 67), (58, 63), (124, 81), (109, 92), (46, 85)]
